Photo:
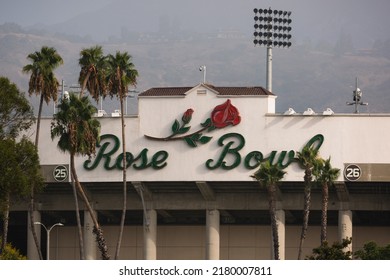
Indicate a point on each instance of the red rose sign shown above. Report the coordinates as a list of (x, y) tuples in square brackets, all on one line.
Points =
[(222, 116)]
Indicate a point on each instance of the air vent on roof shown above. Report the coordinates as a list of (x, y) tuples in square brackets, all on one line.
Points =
[(309, 111), (201, 91)]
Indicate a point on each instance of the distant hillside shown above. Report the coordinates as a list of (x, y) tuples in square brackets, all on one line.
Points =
[(303, 76)]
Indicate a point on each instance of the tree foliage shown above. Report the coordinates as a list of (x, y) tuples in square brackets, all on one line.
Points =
[(19, 173), (19, 168), (75, 126), (11, 253), (372, 251), (337, 251), (92, 73), (16, 114)]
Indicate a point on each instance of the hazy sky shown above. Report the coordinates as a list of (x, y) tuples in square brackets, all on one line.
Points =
[(29, 12), (364, 20)]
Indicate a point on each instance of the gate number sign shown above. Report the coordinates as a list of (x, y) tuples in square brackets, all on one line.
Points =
[(352, 172), (60, 173)]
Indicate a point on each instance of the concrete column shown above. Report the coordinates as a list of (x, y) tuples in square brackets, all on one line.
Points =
[(90, 245), (32, 252), (345, 225), (212, 234), (150, 235), (281, 224)]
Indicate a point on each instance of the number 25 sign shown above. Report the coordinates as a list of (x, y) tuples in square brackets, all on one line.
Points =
[(60, 173)]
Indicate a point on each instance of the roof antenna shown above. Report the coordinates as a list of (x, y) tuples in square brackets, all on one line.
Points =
[(203, 68), (357, 98)]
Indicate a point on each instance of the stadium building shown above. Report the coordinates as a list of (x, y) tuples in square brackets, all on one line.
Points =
[(191, 152)]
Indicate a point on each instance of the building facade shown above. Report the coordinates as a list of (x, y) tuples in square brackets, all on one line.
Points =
[(191, 152)]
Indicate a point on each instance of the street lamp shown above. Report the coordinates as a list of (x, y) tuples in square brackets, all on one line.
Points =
[(48, 236), (272, 29), (357, 98)]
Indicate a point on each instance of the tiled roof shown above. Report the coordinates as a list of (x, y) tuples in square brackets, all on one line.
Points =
[(223, 91), (167, 91)]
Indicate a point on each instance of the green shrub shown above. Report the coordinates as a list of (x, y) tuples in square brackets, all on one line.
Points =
[(11, 253)]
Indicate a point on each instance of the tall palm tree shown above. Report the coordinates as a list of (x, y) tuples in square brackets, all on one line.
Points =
[(120, 75), (91, 78), (92, 73), (78, 133), (325, 175), (42, 81), (306, 159), (269, 175)]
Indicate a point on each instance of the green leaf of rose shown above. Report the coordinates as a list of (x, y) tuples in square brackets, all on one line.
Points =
[(196, 136), (204, 139), (184, 129), (207, 123), (175, 126), (211, 128), (190, 142)]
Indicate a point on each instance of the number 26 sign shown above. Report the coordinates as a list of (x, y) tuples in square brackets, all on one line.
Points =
[(352, 172)]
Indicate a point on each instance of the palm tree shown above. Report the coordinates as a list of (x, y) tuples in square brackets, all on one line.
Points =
[(120, 75), (306, 158), (78, 133), (325, 175), (269, 175), (91, 77), (93, 64), (42, 81)]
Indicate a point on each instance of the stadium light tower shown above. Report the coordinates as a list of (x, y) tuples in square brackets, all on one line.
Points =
[(272, 29)]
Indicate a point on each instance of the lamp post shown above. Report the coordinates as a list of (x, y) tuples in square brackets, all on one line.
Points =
[(357, 98), (272, 29), (48, 236)]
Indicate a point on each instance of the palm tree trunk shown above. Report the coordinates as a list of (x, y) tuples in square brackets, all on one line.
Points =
[(84, 85), (97, 230), (122, 223), (306, 209), (81, 240), (274, 226), (5, 223), (324, 216), (38, 121), (32, 193), (32, 227)]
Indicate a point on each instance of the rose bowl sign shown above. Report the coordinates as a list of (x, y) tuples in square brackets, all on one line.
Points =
[(230, 153)]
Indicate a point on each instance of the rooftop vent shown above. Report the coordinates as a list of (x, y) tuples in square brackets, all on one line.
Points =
[(290, 111), (100, 113), (309, 111), (117, 113), (328, 112)]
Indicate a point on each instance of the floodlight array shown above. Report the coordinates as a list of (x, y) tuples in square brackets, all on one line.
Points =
[(272, 28)]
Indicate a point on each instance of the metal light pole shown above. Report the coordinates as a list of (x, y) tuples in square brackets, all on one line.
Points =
[(357, 96), (48, 236), (272, 29), (203, 68)]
